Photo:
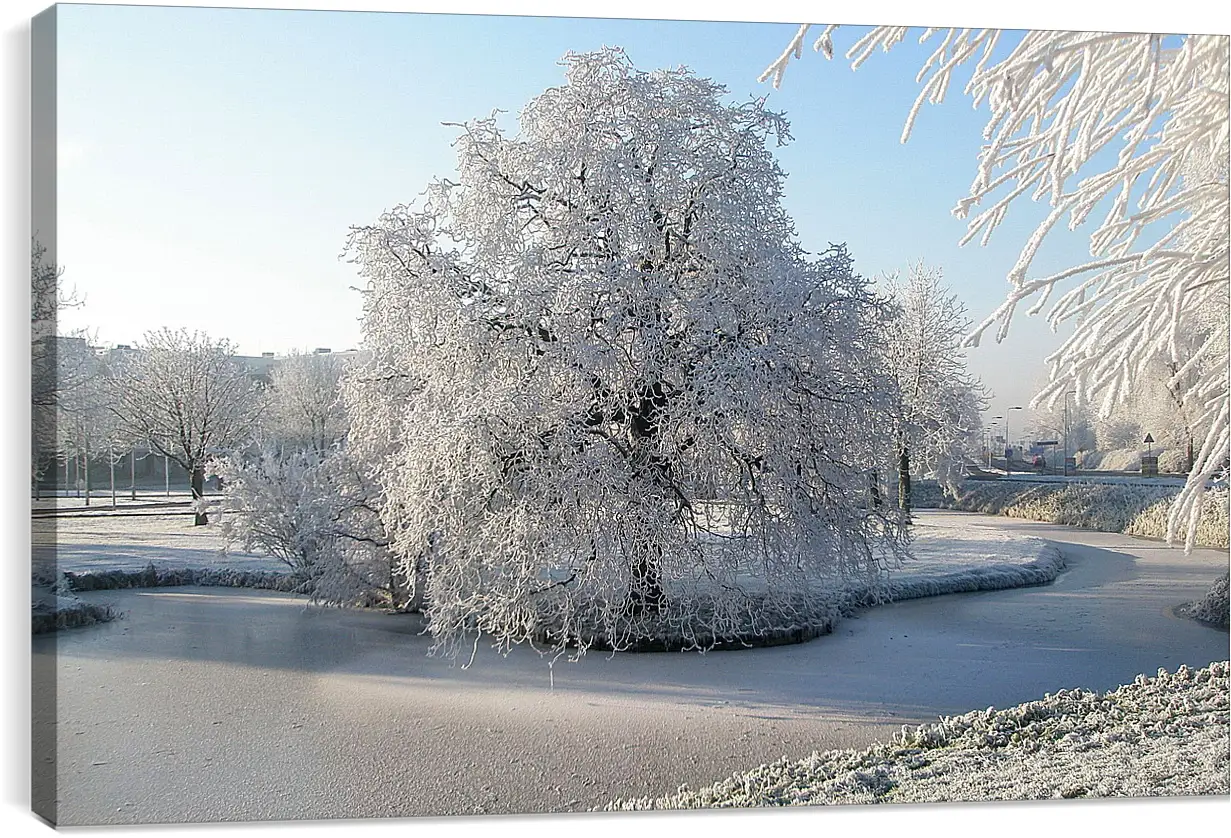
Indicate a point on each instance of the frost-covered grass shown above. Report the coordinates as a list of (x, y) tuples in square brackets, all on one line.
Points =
[(158, 577), (1119, 508), (1170, 460), (1160, 736), (948, 559)]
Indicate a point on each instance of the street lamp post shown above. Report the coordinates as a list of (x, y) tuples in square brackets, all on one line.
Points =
[(991, 430), (1008, 439), (1066, 431)]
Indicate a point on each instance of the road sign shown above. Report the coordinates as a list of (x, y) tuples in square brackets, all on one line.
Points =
[(1148, 440), (1044, 442)]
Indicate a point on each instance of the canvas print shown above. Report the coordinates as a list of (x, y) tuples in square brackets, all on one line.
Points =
[(447, 414)]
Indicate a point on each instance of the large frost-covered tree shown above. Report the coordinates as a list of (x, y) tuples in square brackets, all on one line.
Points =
[(1131, 125), (939, 424), (187, 395), (611, 391)]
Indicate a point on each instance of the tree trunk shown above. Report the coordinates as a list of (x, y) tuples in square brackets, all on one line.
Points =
[(904, 480), (645, 595), (85, 458), (874, 488), (200, 518), (410, 602)]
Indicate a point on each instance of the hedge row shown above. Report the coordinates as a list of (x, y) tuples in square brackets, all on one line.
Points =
[(1107, 507)]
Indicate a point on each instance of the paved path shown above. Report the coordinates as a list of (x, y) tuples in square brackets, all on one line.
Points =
[(209, 704)]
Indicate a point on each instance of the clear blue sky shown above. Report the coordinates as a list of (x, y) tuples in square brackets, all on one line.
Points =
[(212, 160)]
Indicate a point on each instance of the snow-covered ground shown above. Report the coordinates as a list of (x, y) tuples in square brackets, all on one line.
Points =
[(1165, 735), (132, 542), (946, 554), (100, 500)]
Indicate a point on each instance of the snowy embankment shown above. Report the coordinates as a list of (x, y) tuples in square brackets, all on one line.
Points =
[(1160, 736), (1170, 460), (1109, 479), (1120, 508)]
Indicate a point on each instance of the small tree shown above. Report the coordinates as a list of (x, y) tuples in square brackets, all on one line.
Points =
[(626, 399), (187, 395), (49, 372), (938, 423), (86, 423), (305, 410)]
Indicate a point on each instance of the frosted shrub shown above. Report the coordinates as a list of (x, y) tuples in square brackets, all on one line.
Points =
[(609, 398), (316, 513), (1213, 608)]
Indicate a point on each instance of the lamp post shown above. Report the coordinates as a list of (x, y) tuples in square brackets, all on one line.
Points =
[(1066, 431), (991, 431), (1008, 439)]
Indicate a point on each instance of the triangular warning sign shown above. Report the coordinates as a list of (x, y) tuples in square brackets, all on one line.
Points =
[(1149, 438)]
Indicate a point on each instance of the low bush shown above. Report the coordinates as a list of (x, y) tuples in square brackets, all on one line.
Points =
[(1215, 607), (155, 577)]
